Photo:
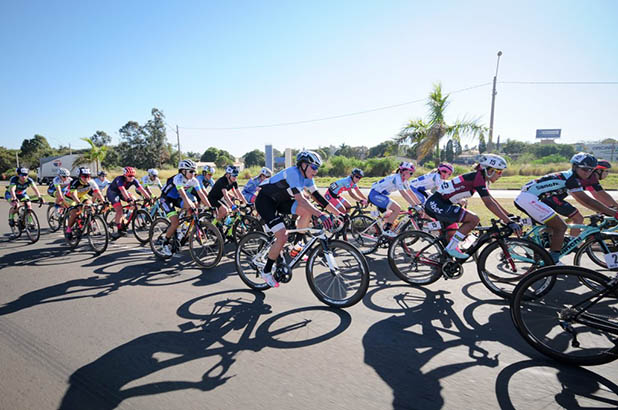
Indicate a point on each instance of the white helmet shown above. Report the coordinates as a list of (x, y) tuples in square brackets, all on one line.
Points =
[(63, 172), (208, 169), (403, 166), (187, 164), (266, 172), (310, 157), (492, 161), (153, 172), (232, 170)]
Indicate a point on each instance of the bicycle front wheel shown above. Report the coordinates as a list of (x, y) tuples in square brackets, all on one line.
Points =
[(206, 245), (31, 226), (414, 256), (98, 235), (503, 263), (570, 322), (54, 217), (141, 226), (244, 225), (158, 228), (364, 233), (250, 257), (338, 276), (76, 234)]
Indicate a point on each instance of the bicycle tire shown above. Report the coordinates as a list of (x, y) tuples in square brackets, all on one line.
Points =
[(31, 226), (98, 234), (244, 225), (589, 247), (411, 250), (54, 218), (544, 322), (206, 251), (364, 233), (76, 235), (251, 254), (140, 225), (501, 280), (158, 228), (331, 288)]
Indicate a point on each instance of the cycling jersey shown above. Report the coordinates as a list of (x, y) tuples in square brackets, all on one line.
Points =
[(428, 182), (102, 184), (250, 187), (390, 184), (342, 185), (206, 182), (464, 186), (560, 184), (592, 183), (170, 190), (121, 181), (58, 183), (20, 187), (216, 193), (81, 190), (285, 184), (147, 182)]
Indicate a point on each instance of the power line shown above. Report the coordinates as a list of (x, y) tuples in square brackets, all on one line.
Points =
[(282, 124), (561, 82)]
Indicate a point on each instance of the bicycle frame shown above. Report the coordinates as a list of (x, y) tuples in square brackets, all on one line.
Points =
[(581, 316)]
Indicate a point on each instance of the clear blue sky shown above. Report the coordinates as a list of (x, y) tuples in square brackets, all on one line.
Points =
[(70, 68)]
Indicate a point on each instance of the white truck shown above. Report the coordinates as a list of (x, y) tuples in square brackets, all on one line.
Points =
[(48, 167)]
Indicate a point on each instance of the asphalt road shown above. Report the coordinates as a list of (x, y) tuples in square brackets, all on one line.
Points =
[(123, 330)]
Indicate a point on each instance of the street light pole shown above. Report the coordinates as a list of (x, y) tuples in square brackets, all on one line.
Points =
[(493, 101)]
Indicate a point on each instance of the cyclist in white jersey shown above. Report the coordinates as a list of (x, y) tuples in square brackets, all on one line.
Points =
[(151, 179), (430, 182)]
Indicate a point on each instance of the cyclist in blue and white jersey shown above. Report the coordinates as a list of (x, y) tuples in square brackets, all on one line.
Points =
[(544, 198), (101, 181), (206, 178), (347, 184), (151, 179), (380, 191), (16, 191), (283, 194), (59, 187), (251, 188), (426, 184)]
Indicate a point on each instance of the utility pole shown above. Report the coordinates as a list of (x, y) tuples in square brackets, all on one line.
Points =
[(178, 139), (17, 159), (70, 151), (493, 101)]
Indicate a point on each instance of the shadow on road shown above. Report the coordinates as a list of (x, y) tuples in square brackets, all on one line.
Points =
[(220, 326)]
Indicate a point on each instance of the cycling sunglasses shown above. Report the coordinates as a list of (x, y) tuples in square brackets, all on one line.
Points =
[(587, 169), (314, 167)]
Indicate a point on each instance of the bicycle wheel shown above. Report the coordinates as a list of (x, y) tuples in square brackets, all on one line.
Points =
[(206, 245), (244, 225), (98, 235), (414, 256), (364, 233), (76, 233), (54, 217), (570, 322), (339, 276), (593, 251), (156, 237), (31, 226), (502, 264), (141, 226), (251, 254)]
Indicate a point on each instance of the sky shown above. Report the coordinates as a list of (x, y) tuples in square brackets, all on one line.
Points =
[(227, 72)]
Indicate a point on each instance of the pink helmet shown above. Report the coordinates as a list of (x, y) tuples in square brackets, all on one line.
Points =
[(407, 166), (445, 166)]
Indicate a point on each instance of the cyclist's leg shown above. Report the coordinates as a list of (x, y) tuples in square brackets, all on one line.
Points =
[(267, 208), (542, 212), (448, 213)]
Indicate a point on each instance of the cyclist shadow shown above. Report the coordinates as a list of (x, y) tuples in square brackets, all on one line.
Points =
[(36, 257), (572, 388), (220, 326), (399, 346)]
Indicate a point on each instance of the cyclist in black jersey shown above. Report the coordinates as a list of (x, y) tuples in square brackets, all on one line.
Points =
[(222, 193)]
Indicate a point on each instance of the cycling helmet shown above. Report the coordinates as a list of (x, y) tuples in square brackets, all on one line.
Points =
[(445, 166), (63, 172), (187, 164), (492, 161), (583, 159), (84, 171), (309, 157), (102, 174), (266, 172), (208, 169), (602, 164), (153, 172), (407, 166), (129, 172), (232, 170), (357, 171), (22, 171)]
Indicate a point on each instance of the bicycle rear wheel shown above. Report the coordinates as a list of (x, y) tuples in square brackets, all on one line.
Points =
[(141, 226), (250, 257), (206, 245), (570, 322), (414, 256), (76, 233), (158, 228), (364, 233), (54, 217), (339, 276), (244, 225), (98, 235), (31, 226)]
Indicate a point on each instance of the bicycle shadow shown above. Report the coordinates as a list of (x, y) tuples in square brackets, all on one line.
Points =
[(225, 322)]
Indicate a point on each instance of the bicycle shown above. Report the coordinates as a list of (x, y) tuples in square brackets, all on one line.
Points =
[(419, 258), (134, 215), (337, 272), (233, 228), (27, 221), (571, 322), (55, 215), (89, 223), (205, 240)]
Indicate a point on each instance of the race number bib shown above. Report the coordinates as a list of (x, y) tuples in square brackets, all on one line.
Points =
[(432, 226), (612, 260), (447, 187)]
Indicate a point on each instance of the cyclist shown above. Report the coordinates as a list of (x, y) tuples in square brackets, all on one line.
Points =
[(101, 181), (593, 184), (206, 178), (283, 194), (118, 190), (174, 192), (443, 204), (16, 191), (544, 197), (380, 191), (151, 179), (80, 190), (222, 192), (251, 189), (430, 182), (59, 187), (349, 184)]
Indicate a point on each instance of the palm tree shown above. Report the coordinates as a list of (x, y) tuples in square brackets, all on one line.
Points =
[(95, 154), (424, 135)]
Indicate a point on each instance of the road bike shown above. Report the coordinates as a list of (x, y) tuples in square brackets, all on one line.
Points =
[(88, 223), (135, 215), (575, 321), (419, 258), (235, 225), (337, 272), (26, 221), (55, 216)]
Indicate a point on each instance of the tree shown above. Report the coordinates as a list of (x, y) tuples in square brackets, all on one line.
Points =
[(210, 155), (133, 148), (193, 155), (254, 158), (383, 149), (33, 149), (100, 138), (514, 147), (156, 139), (429, 132), (457, 148), (95, 154), (7, 159), (449, 152), (482, 145)]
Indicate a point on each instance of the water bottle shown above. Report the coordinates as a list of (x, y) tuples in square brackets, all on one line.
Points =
[(228, 220)]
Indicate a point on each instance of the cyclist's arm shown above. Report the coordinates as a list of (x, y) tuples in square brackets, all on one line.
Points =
[(240, 196), (357, 195), (409, 198), (306, 205), (202, 194), (125, 194), (73, 195), (603, 197), (12, 191), (226, 198), (185, 197), (98, 196), (592, 203)]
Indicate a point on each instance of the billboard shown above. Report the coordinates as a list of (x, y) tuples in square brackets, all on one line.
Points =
[(548, 134)]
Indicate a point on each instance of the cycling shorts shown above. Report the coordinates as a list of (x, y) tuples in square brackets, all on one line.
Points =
[(444, 210), (169, 205), (7, 196), (541, 210), (270, 210), (379, 200), (335, 200)]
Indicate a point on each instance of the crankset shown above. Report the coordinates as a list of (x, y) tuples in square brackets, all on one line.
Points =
[(283, 273), (452, 270)]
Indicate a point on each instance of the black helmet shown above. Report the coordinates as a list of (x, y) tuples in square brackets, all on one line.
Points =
[(357, 171)]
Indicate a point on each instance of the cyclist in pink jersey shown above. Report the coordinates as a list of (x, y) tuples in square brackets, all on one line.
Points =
[(347, 184)]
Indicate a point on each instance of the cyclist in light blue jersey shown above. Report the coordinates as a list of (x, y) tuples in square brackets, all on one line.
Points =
[(349, 184), (252, 187)]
